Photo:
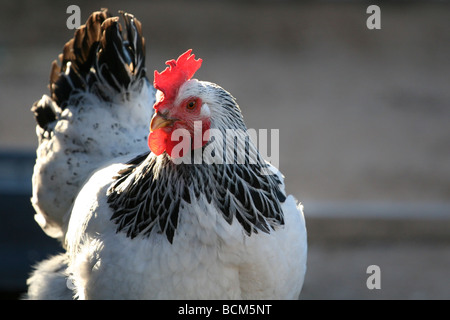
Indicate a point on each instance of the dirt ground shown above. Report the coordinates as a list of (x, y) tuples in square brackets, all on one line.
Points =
[(364, 115)]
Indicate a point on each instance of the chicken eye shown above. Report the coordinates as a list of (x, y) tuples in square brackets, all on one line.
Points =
[(191, 105)]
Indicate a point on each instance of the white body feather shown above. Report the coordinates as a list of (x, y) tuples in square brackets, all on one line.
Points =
[(86, 142), (208, 259), (85, 135)]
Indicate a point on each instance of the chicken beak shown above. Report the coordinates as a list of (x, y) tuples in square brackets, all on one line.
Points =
[(160, 120)]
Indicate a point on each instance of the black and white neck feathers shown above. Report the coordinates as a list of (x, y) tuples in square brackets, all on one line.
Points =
[(150, 193)]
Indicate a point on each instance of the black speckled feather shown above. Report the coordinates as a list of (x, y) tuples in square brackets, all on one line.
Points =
[(147, 197), (98, 59)]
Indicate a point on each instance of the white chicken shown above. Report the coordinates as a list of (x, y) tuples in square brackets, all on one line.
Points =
[(100, 107), (193, 218)]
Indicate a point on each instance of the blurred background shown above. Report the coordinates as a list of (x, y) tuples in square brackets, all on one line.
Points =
[(364, 120)]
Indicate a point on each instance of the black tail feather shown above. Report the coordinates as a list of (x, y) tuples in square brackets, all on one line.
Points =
[(99, 59), (43, 113)]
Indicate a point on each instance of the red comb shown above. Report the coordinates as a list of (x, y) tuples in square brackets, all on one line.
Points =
[(177, 72)]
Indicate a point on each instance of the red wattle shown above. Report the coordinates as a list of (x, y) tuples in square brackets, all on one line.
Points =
[(161, 140), (157, 141)]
